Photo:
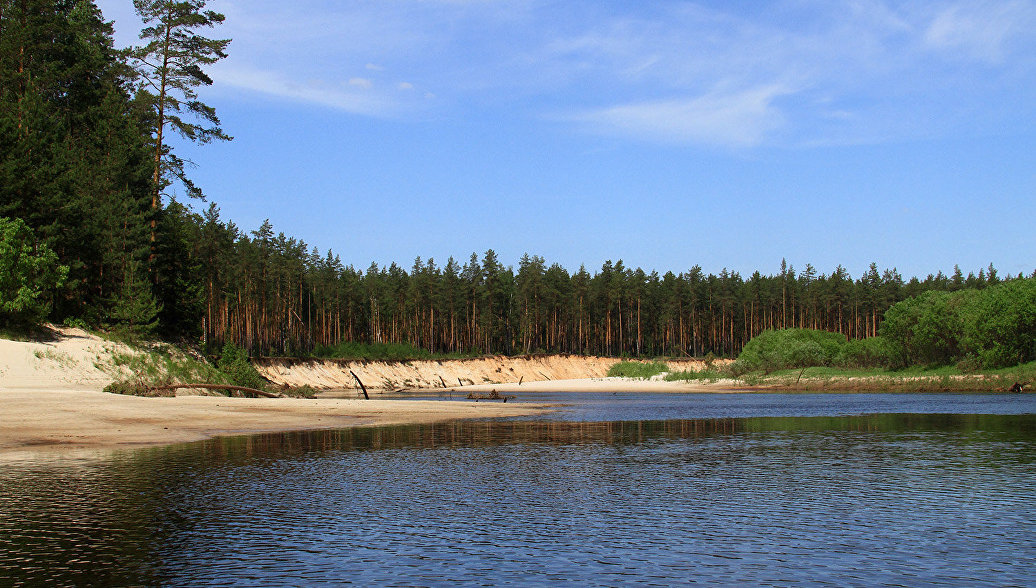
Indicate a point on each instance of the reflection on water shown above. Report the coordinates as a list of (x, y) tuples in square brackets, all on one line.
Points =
[(893, 499)]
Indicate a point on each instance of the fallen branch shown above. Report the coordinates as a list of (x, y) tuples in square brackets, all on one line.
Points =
[(493, 395), (217, 387), (362, 387)]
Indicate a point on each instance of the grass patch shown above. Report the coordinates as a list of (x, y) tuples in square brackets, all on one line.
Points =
[(637, 369), (914, 379), (163, 364), (62, 359), (705, 375)]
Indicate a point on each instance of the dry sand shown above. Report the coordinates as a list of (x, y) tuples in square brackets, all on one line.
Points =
[(51, 398), (34, 419), (332, 374), (51, 395)]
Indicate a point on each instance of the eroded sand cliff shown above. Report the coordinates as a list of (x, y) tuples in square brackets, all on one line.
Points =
[(330, 374)]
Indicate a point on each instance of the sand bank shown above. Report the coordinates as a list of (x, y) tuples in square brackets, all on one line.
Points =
[(50, 398), (331, 374), (600, 385), (35, 419)]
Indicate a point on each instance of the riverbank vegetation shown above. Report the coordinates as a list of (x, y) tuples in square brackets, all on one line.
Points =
[(85, 177), (637, 369), (965, 340)]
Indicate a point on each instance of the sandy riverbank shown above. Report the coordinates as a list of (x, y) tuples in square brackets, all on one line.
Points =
[(51, 399), (600, 385), (35, 419), (330, 374)]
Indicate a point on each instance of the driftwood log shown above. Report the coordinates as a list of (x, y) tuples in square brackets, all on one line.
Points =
[(218, 387), (493, 395), (362, 387)]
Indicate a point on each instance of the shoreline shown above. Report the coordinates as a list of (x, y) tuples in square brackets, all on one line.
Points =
[(34, 420), (50, 398)]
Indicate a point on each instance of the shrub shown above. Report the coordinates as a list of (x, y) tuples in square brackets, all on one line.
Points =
[(637, 369), (381, 352), (233, 362), (872, 352), (996, 325), (304, 391), (999, 327), (29, 273), (136, 388), (791, 348)]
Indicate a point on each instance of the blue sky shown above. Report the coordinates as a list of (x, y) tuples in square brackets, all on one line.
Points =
[(663, 133)]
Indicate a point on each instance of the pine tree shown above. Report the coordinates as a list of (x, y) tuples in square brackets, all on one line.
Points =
[(170, 68)]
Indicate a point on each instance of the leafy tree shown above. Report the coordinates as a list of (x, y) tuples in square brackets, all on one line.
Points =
[(791, 348), (29, 273), (999, 325)]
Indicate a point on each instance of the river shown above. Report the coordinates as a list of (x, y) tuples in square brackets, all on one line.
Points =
[(616, 489)]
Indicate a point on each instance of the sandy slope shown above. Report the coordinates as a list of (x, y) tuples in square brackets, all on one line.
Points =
[(74, 360), (388, 375), (51, 398), (601, 385), (51, 395)]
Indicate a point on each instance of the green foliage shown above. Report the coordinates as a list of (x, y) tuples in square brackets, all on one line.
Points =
[(29, 274), (637, 369), (135, 387), (705, 375), (790, 348), (993, 327), (170, 66), (868, 353), (305, 391), (1000, 325), (234, 364), (160, 364), (135, 309)]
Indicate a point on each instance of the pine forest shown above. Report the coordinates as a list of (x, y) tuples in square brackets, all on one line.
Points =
[(85, 173)]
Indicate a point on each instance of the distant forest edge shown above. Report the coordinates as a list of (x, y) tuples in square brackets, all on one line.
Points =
[(89, 236)]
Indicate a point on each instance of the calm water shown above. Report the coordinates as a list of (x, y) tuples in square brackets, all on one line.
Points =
[(657, 490)]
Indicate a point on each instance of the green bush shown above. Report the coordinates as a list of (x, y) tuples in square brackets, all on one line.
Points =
[(637, 369), (29, 273), (999, 326), (233, 362), (790, 348), (705, 375), (872, 352), (995, 327)]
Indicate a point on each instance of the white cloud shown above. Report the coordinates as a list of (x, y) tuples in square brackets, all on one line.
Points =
[(275, 84), (731, 119), (689, 72), (980, 30)]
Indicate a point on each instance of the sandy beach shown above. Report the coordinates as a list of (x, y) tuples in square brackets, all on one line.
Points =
[(51, 398), (35, 419)]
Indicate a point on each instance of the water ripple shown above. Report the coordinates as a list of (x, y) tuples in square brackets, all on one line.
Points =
[(861, 501)]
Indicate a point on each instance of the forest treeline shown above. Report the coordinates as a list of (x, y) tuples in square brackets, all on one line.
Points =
[(83, 180)]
